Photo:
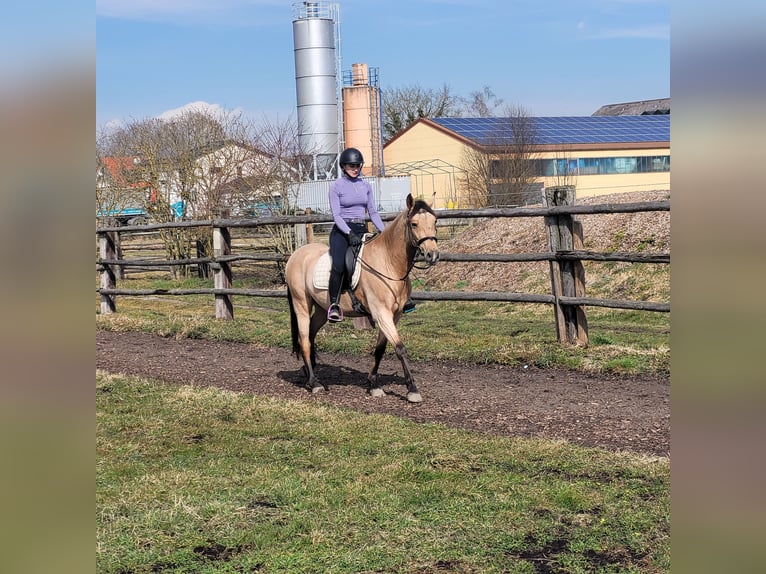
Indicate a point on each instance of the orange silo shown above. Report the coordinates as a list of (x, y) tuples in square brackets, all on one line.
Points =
[(362, 116)]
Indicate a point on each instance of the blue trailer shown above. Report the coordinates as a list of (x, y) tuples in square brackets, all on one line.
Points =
[(138, 215)]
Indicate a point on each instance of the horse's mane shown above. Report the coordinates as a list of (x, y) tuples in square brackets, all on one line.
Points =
[(421, 205)]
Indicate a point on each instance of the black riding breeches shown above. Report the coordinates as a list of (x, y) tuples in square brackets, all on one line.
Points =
[(339, 245)]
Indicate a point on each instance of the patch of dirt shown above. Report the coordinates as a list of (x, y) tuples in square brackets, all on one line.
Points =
[(619, 413)]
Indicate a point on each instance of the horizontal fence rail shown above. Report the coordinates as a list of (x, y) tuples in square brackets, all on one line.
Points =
[(442, 214), (565, 259)]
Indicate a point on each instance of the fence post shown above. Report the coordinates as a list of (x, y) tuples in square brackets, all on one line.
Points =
[(107, 251), (301, 235), (579, 283), (567, 277), (309, 228), (120, 271), (224, 308)]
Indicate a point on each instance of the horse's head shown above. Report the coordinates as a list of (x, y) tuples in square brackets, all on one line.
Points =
[(422, 224)]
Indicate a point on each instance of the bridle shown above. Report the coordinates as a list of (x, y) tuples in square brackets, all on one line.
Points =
[(416, 243)]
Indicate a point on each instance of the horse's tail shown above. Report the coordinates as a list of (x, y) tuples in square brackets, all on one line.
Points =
[(293, 324)]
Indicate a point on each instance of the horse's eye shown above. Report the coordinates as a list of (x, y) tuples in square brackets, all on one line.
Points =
[(414, 224)]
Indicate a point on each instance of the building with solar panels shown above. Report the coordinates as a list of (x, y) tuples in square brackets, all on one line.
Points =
[(598, 154)]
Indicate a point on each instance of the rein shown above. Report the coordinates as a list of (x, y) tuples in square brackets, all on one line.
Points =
[(411, 240)]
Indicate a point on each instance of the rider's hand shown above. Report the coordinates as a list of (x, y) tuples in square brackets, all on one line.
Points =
[(354, 239)]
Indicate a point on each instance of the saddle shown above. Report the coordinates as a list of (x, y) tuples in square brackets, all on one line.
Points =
[(321, 278)]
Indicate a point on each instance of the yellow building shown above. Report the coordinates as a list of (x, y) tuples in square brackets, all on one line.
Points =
[(597, 154)]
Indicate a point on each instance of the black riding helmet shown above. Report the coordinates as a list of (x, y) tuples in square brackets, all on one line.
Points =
[(350, 155)]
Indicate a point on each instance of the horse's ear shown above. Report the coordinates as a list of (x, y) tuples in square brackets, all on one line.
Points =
[(410, 201)]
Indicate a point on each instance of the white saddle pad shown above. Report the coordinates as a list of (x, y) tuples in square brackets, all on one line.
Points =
[(322, 270)]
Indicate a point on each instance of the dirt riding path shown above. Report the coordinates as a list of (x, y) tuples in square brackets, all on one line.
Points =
[(629, 413)]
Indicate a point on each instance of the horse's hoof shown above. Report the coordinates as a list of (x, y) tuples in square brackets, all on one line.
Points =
[(414, 398), (315, 386), (377, 392)]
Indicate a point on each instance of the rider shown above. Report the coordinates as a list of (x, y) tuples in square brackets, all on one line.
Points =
[(351, 199)]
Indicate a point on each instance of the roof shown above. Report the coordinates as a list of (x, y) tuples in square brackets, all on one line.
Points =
[(121, 170), (641, 107), (566, 130)]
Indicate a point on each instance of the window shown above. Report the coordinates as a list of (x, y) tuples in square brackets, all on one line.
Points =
[(596, 166), (589, 166)]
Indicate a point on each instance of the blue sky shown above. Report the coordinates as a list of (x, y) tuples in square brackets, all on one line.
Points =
[(554, 58)]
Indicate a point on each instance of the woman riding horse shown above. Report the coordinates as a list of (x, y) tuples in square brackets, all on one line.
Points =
[(380, 293), (350, 197)]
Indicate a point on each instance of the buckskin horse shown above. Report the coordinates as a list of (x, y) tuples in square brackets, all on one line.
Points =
[(379, 291)]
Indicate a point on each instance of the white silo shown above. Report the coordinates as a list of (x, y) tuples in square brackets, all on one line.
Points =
[(317, 61)]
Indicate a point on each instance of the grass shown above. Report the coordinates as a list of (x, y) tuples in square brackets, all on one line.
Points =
[(206, 480), (481, 332)]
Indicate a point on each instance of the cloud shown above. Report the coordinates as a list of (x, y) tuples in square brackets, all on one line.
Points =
[(214, 110), (113, 125)]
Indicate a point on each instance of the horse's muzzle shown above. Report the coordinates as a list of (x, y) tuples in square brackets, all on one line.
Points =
[(428, 257)]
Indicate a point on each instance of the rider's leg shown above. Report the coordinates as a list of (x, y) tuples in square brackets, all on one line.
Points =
[(409, 306), (338, 245), (334, 312)]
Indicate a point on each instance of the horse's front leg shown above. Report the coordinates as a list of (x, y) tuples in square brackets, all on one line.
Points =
[(413, 395), (388, 329), (374, 387)]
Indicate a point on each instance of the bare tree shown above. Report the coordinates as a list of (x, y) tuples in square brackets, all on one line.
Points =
[(482, 104), (501, 170), (205, 166), (564, 168), (476, 163), (165, 169), (402, 106), (151, 142), (187, 137), (268, 185), (279, 176), (119, 196)]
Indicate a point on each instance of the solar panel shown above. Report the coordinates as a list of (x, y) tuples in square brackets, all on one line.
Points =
[(564, 130)]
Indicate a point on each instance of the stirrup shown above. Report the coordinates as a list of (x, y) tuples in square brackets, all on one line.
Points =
[(334, 313), (409, 306)]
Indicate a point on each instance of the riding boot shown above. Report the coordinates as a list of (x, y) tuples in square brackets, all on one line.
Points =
[(334, 312)]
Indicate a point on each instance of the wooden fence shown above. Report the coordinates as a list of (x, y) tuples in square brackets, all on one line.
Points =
[(565, 257)]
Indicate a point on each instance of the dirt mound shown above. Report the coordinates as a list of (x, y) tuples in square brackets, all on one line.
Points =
[(647, 232)]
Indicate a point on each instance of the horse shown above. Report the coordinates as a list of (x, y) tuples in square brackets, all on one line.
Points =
[(380, 293)]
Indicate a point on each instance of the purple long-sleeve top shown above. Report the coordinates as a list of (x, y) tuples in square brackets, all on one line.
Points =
[(353, 199)]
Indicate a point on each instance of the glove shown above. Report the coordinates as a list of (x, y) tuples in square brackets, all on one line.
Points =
[(354, 239)]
